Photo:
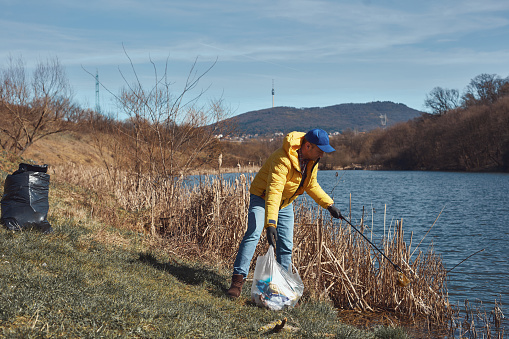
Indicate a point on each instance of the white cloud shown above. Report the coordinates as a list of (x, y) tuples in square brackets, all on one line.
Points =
[(309, 43)]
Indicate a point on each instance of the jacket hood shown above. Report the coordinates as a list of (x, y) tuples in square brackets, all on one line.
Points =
[(291, 144)]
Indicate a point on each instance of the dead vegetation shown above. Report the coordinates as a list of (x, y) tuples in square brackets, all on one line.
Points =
[(206, 219)]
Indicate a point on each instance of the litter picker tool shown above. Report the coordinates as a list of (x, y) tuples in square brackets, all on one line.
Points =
[(402, 278)]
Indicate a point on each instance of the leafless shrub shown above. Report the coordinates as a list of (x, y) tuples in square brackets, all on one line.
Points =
[(34, 105), (166, 134)]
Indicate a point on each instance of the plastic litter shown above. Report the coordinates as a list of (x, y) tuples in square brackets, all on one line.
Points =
[(25, 201), (273, 286)]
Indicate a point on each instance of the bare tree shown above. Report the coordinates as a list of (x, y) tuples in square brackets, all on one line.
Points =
[(485, 89), (440, 100), (32, 106), (166, 133), (170, 131)]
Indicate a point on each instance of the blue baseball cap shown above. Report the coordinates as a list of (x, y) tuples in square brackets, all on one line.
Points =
[(320, 138)]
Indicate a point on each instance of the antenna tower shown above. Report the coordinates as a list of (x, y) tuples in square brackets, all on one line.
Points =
[(97, 104), (272, 93)]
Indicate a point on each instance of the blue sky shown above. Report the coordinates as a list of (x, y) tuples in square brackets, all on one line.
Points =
[(318, 53)]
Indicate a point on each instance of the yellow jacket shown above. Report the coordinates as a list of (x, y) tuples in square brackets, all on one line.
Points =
[(279, 179)]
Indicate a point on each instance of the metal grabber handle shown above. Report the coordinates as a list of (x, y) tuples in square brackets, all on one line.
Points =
[(402, 279)]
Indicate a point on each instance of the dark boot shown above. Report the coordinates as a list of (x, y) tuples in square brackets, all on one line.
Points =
[(236, 286)]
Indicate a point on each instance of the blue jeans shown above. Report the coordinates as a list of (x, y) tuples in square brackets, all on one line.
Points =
[(255, 226)]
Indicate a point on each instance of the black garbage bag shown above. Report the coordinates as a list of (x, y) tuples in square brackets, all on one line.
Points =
[(25, 201)]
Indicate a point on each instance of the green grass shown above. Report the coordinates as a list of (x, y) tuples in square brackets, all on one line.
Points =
[(73, 283), (88, 280)]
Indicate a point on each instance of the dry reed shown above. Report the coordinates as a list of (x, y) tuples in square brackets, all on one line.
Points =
[(208, 219)]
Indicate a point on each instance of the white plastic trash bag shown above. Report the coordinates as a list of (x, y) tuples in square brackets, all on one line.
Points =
[(274, 287)]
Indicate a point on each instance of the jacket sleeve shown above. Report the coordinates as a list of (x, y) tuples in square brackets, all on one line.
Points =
[(275, 185), (315, 191)]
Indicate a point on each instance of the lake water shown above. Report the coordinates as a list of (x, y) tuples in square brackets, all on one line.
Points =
[(473, 209), (474, 216)]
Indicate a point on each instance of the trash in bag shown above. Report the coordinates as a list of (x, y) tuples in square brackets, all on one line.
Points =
[(273, 286), (25, 201)]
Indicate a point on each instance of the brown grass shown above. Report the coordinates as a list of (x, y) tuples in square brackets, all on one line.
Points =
[(207, 221), (64, 148)]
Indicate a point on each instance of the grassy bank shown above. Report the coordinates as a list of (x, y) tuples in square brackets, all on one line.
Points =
[(88, 279), (139, 256)]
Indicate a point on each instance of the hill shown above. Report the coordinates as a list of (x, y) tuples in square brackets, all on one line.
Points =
[(337, 118)]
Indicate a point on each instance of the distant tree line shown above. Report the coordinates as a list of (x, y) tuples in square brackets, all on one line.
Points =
[(166, 135), (462, 133), (467, 133), (484, 89)]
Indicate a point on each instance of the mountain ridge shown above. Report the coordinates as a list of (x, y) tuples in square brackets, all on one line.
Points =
[(361, 117)]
